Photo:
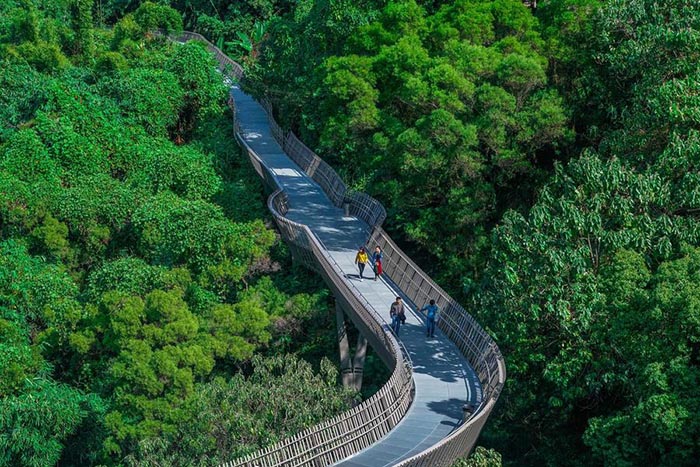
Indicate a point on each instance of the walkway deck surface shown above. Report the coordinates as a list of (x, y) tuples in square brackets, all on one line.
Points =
[(444, 381)]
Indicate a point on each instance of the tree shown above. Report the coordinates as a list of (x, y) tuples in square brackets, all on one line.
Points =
[(203, 86), (81, 12), (564, 295), (152, 16), (446, 117), (480, 457), (23, 92), (35, 424), (152, 97), (230, 418)]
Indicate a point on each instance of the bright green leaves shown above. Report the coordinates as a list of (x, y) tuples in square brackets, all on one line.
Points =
[(230, 418), (157, 341), (152, 97), (25, 157), (203, 86), (520, 75), (29, 37), (36, 424), (422, 105), (676, 292), (18, 360), (444, 88), (182, 170), (481, 457), (168, 319), (592, 316), (132, 276), (160, 348), (152, 16), (130, 261), (350, 82), (656, 333), (236, 331), (464, 20), (132, 29), (37, 415), (403, 19), (51, 237), (174, 232), (23, 91), (29, 287), (644, 77), (82, 24)]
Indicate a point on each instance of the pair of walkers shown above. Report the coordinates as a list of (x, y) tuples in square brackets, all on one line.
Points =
[(397, 312), (362, 259)]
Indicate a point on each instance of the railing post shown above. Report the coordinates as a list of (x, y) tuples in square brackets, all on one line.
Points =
[(467, 411)]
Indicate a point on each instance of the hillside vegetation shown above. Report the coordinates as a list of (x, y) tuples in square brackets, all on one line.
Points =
[(148, 314), (542, 165)]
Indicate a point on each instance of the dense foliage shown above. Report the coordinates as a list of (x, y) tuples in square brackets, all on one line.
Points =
[(541, 164), (591, 293), (140, 284), (441, 111)]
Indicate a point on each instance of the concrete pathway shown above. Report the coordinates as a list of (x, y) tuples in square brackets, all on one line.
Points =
[(444, 381)]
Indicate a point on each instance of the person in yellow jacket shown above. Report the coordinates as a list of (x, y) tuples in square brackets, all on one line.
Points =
[(361, 259)]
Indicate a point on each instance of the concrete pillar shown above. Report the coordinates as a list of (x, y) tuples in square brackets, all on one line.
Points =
[(344, 348), (351, 368), (358, 364)]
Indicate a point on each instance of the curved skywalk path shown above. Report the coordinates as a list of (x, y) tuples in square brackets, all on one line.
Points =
[(443, 379)]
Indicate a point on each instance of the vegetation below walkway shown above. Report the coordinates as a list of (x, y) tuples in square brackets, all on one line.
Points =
[(148, 313)]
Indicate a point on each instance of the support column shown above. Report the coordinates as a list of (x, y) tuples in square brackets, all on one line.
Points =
[(358, 363), (344, 348), (351, 368)]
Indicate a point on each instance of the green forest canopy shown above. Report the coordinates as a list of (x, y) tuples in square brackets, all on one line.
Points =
[(541, 164), (544, 166), (139, 303)]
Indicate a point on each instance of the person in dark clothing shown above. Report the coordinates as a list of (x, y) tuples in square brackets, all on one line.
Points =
[(377, 258), (431, 313), (398, 315)]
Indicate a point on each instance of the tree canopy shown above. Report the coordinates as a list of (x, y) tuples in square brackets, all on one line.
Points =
[(140, 283), (540, 163)]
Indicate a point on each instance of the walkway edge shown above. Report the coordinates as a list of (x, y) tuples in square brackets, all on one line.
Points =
[(352, 431)]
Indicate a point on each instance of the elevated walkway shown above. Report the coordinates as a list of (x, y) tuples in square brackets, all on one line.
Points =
[(443, 379), (415, 418)]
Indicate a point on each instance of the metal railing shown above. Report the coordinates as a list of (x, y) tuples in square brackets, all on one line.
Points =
[(363, 425), (461, 328)]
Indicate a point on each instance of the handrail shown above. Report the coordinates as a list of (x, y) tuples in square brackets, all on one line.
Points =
[(361, 426), (364, 424)]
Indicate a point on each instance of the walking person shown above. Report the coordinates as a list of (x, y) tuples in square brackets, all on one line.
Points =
[(377, 258), (361, 259), (398, 315), (431, 313)]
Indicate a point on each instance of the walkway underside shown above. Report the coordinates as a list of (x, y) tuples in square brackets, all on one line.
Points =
[(444, 381)]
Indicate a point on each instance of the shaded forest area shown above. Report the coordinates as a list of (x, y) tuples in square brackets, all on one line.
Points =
[(148, 313), (543, 166)]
